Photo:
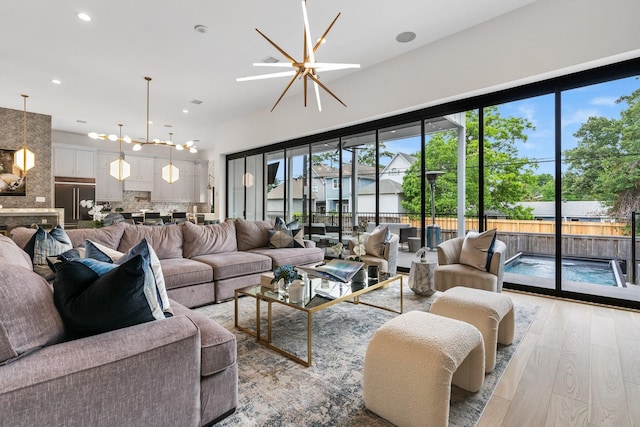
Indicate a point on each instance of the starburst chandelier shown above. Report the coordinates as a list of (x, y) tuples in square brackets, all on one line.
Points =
[(306, 69)]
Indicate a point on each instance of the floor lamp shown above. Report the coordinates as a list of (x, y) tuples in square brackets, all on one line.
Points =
[(433, 230)]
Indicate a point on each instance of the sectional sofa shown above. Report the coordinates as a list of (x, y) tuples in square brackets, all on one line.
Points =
[(179, 371), (201, 264)]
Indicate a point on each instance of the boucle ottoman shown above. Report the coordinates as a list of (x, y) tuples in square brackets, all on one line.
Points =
[(490, 312), (411, 362)]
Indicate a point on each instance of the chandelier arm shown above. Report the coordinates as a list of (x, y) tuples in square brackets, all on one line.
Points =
[(312, 77), (289, 57), (266, 76), (304, 84), (286, 88), (324, 35)]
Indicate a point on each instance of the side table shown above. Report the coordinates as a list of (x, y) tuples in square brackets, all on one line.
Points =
[(421, 277)]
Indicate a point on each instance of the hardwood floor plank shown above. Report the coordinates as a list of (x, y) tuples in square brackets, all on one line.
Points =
[(608, 400), (572, 377), (629, 351), (511, 377), (494, 413), (627, 324), (603, 332), (633, 395), (530, 403), (565, 411), (553, 334)]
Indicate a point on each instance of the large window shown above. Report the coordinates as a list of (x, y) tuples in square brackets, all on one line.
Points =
[(553, 166)]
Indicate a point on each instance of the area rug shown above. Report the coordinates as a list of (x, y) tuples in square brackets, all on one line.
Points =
[(275, 391)]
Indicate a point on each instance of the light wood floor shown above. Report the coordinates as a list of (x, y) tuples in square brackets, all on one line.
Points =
[(578, 365)]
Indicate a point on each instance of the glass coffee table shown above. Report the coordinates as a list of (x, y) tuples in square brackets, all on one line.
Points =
[(320, 294)]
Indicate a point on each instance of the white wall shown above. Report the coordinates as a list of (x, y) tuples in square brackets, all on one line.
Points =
[(545, 39)]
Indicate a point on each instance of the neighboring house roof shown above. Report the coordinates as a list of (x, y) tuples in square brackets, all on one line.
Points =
[(387, 186), (323, 171), (570, 209), (408, 158), (277, 193)]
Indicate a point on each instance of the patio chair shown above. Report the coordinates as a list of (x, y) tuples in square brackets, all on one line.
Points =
[(407, 232), (450, 272), (388, 261)]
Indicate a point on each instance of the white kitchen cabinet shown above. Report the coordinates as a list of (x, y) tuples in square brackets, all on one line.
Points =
[(142, 172), (108, 188), (183, 190), (70, 162)]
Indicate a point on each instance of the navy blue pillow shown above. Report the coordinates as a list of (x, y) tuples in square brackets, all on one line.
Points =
[(95, 297)]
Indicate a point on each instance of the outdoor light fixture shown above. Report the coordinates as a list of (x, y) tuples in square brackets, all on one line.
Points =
[(120, 169), (433, 230), (24, 159)]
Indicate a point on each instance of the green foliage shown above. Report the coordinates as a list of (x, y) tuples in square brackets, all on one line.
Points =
[(508, 178), (605, 164)]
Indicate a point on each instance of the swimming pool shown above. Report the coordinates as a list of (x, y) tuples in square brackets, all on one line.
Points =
[(599, 272)]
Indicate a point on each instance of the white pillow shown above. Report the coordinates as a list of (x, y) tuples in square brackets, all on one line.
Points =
[(374, 244), (477, 249)]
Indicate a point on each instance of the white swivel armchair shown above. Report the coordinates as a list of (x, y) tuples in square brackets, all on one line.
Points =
[(450, 272)]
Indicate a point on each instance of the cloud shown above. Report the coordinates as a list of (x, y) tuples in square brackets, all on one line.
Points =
[(579, 116), (528, 111), (607, 101)]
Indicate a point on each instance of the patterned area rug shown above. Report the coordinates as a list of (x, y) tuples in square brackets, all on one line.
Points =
[(275, 391)]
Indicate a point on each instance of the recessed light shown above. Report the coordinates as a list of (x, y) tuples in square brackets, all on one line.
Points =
[(56, 82), (185, 111), (202, 29), (405, 37), (84, 16)]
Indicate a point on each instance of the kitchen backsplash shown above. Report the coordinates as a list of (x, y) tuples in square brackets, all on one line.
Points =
[(134, 201)]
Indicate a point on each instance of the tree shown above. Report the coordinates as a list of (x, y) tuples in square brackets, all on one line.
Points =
[(605, 164), (507, 177), (366, 156)]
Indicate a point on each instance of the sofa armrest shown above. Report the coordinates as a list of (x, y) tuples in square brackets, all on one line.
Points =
[(140, 375), (309, 243)]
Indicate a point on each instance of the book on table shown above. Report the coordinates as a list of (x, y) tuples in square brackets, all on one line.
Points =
[(339, 270)]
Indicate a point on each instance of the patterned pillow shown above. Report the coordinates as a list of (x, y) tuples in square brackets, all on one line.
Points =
[(279, 239), (477, 248), (43, 244)]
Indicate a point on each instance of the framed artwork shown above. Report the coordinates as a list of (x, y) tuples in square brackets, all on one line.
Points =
[(11, 181)]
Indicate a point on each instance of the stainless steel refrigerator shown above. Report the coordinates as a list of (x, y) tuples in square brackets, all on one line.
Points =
[(69, 192)]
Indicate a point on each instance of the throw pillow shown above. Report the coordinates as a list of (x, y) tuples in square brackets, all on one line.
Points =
[(95, 297), (298, 238), (476, 249), (387, 235), (279, 239), (43, 244), (374, 244), (155, 288)]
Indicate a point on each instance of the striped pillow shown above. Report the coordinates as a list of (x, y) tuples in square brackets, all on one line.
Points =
[(43, 244)]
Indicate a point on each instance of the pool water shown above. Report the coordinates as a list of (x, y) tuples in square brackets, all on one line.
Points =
[(599, 273)]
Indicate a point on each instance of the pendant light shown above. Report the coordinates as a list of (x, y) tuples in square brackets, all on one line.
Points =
[(170, 173), (24, 159), (120, 169)]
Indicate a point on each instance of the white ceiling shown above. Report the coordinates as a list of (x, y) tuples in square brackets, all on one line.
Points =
[(102, 63)]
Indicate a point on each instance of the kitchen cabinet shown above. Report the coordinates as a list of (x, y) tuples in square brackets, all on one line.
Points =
[(202, 182), (183, 190), (142, 172), (108, 188), (74, 163)]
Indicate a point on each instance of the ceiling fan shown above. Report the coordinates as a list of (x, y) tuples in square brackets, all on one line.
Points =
[(308, 68)]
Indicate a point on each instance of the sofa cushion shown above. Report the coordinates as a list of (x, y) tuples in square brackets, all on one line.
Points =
[(219, 349), (179, 272), (252, 234), (279, 239), (109, 236), (166, 241), (10, 253), (209, 239), (28, 316), (291, 256), (95, 297), (477, 248), (234, 264)]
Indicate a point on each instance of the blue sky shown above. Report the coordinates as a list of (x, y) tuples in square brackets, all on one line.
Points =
[(577, 106)]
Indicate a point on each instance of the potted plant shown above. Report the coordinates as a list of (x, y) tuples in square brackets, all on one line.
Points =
[(284, 275)]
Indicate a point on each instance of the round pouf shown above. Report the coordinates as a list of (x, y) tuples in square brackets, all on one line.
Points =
[(490, 312), (411, 362)]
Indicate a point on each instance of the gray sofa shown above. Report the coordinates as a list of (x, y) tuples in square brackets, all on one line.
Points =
[(179, 371), (201, 263)]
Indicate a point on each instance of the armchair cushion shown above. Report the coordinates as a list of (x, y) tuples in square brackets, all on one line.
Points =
[(477, 249)]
